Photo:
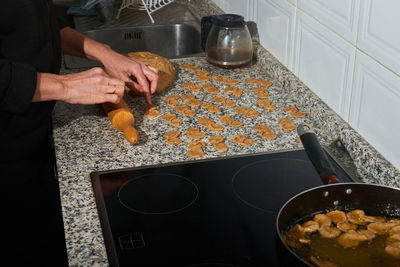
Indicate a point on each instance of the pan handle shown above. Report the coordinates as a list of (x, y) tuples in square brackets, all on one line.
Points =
[(317, 155)]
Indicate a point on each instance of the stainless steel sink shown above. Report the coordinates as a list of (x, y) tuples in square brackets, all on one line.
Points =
[(171, 41)]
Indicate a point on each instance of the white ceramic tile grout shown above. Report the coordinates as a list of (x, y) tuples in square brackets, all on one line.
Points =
[(354, 67), (252, 6), (326, 26), (291, 60)]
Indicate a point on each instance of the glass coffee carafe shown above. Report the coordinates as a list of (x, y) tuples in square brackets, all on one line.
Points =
[(226, 41)]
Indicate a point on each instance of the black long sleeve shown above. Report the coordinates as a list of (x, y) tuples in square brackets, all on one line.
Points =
[(18, 84), (29, 43)]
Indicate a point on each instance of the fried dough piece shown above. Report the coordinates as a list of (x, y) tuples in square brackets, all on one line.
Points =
[(310, 226), (329, 232), (381, 228), (369, 235), (345, 241), (393, 249), (322, 219), (357, 217), (294, 234), (337, 216), (395, 230), (345, 226)]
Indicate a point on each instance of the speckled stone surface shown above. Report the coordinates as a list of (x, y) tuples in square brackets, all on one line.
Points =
[(85, 140), (109, 150)]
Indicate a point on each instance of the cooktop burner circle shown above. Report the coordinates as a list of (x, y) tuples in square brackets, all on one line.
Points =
[(159, 193), (266, 184)]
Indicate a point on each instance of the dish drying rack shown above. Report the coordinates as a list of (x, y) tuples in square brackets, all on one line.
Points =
[(149, 5)]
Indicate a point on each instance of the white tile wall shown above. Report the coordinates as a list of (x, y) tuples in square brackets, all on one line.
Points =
[(339, 15), (293, 2), (379, 31), (324, 62), (375, 106), (241, 7), (347, 51), (275, 21)]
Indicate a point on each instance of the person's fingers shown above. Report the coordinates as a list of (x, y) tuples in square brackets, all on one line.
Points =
[(133, 86), (113, 98), (115, 86), (155, 70), (152, 76), (113, 81), (147, 97), (141, 80)]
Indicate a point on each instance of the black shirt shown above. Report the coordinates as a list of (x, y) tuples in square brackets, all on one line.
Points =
[(29, 194), (29, 43)]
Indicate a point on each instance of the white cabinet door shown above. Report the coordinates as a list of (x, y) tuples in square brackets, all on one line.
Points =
[(324, 62)]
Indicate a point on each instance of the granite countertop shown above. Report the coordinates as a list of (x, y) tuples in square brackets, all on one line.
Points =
[(85, 140)]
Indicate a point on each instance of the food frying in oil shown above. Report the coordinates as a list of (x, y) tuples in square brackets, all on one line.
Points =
[(352, 238)]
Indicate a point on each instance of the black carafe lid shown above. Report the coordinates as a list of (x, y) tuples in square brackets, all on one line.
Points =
[(228, 20)]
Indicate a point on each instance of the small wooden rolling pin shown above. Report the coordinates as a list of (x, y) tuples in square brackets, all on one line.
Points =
[(122, 119)]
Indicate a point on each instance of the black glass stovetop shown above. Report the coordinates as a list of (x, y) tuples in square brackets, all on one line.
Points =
[(217, 212)]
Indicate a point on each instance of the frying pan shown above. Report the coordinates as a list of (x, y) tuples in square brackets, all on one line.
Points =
[(372, 198)]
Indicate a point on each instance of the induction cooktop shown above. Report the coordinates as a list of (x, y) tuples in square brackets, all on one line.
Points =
[(214, 212)]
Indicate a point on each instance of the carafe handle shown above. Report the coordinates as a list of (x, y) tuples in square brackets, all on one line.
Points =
[(206, 24)]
